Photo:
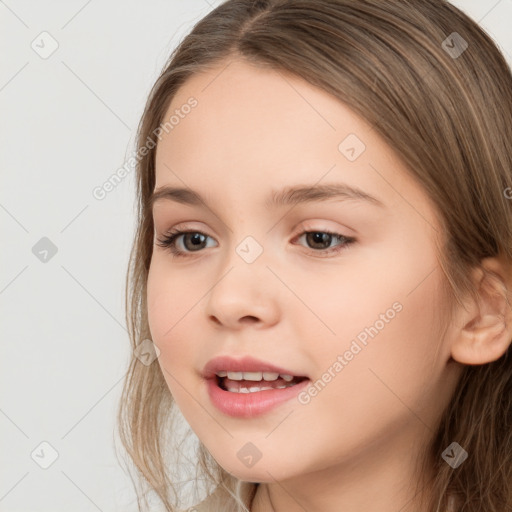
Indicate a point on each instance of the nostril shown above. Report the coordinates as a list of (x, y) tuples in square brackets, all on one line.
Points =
[(249, 319)]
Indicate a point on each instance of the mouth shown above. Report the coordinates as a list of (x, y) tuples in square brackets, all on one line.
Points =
[(255, 382), (247, 387)]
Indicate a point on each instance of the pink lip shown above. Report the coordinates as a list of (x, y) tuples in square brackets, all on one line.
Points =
[(247, 405), (244, 364)]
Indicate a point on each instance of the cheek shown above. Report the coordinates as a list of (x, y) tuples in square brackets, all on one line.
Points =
[(170, 303), (381, 319), (170, 306), (169, 297), (387, 381)]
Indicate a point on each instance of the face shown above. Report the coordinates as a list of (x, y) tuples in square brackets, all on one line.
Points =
[(341, 286)]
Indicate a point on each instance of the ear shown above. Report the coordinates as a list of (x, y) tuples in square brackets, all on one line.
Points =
[(485, 331)]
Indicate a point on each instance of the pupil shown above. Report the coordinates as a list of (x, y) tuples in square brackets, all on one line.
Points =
[(319, 238), (196, 239)]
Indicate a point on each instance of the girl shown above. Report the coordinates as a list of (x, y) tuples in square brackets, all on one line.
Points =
[(323, 262)]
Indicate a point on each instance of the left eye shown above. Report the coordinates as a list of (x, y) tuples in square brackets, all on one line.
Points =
[(320, 241)]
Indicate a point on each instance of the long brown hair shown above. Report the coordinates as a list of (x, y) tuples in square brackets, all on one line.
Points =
[(447, 114)]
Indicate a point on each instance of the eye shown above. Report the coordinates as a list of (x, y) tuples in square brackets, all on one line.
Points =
[(321, 241), (194, 241)]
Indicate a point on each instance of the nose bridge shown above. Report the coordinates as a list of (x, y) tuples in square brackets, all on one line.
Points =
[(245, 285), (243, 269), (247, 241), (249, 250)]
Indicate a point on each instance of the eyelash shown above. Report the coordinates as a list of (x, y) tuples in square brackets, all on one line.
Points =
[(168, 242)]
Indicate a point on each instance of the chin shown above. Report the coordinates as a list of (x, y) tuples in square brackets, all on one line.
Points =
[(260, 473)]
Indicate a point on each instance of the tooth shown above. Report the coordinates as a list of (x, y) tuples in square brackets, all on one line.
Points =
[(287, 378), (222, 374), (270, 376), (254, 389), (252, 376), (235, 375)]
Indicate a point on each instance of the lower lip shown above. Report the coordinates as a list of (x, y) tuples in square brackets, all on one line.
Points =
[(248, 405)]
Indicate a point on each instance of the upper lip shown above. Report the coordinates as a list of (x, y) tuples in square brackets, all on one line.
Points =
[(243, 364)]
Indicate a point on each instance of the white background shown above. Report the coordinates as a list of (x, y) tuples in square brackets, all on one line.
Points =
[(67, 123)]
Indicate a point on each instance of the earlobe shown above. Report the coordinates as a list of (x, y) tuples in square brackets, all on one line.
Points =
[(486, 327)]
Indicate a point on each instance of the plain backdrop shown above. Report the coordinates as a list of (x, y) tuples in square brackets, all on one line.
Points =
[(74, 78)]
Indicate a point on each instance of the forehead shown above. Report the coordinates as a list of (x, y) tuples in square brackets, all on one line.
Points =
[(254, 129), (258, 101), (255, 120)]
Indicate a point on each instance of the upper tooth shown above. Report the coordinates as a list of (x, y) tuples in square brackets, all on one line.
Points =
[(252, 375), (255, 376)]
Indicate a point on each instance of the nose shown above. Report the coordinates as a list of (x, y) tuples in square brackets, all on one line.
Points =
[(244, 294)]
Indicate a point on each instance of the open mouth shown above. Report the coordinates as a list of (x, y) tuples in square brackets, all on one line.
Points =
[(254, 382), (247, 394)]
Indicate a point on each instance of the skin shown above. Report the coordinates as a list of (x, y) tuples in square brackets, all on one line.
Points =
[(357, 441)]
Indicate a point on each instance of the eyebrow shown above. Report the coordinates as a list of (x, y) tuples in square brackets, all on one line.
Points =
[(289, 196)]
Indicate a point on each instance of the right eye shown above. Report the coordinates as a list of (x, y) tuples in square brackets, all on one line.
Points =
[(196, 240)]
